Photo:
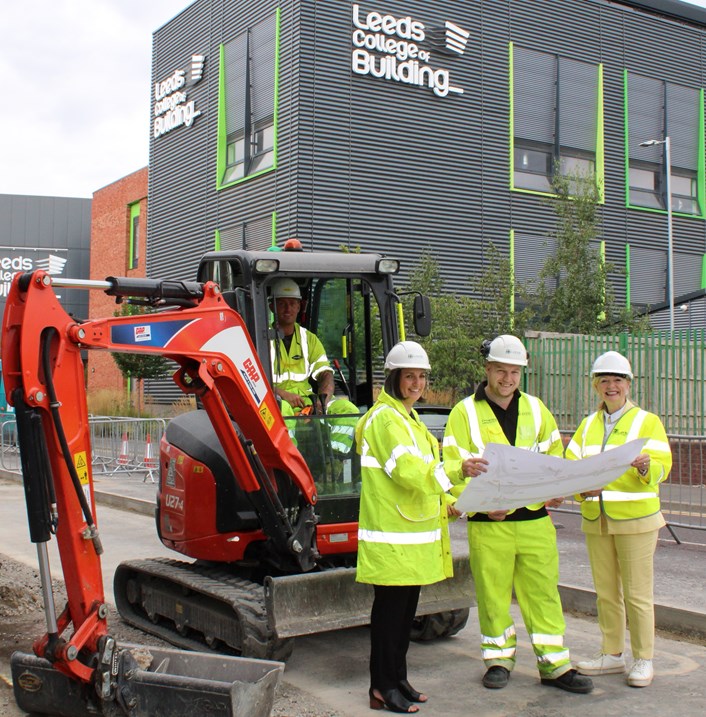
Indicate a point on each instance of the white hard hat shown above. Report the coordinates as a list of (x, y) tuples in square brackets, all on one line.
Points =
[(505, 349), (286, 289), (613, 363), (407, 354)]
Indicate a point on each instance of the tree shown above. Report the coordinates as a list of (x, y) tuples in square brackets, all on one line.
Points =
[(139, 366), (573, 292), (461, 322)]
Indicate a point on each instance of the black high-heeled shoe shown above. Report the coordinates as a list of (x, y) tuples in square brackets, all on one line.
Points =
[(392, 700), (410, 693)]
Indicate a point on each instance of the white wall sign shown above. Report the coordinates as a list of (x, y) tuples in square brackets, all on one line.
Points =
[(172, 106), (14, 260), (400, 49)]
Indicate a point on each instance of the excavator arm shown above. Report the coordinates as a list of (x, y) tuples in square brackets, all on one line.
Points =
[(44, 378)]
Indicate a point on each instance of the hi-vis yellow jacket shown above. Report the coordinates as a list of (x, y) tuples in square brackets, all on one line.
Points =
[(631, 495), (472, 425), (403, 534)]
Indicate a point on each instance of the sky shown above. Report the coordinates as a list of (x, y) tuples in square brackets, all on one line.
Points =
[(77, 86), (77, 79)]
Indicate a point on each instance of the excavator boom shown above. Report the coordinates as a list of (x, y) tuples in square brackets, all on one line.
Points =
[(78, 667)]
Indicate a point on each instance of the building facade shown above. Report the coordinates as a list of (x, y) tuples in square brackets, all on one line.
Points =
[(50, 233), (118, 242), (403, 126)]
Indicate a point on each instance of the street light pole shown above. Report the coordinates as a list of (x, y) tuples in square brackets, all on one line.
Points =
[(670, 237)]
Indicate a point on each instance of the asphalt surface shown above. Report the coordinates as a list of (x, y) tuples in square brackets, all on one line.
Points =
[(332, 667)]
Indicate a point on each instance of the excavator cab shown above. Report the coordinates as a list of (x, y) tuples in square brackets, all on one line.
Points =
[(348, 301)]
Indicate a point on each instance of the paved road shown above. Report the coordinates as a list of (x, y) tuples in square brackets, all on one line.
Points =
[(332, 667)]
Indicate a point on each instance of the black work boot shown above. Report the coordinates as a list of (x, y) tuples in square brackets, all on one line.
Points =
[(570, 681), (496, 677)]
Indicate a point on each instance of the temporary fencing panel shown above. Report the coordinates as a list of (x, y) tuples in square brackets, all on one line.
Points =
[(669, 369)]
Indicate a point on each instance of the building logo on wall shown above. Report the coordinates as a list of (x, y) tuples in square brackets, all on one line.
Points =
[(402, 49), (14, 260), (172, 106)]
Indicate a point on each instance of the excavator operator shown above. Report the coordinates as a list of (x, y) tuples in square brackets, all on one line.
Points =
[(298, 356)]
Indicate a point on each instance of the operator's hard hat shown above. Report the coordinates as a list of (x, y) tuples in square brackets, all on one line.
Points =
[(407, 354), (612, 363), (505, 349), (286, 289)]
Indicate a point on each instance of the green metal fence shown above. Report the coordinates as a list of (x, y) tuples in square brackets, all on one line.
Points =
[(670, 375)]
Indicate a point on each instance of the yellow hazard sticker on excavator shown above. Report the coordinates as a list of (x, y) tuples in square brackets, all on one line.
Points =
[(81, 465), (267, 417)]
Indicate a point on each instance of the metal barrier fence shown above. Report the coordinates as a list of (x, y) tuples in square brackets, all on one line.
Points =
[(683, 495), (119, 445), (131, 445)]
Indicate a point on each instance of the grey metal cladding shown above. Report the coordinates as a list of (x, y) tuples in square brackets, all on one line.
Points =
[(384, 166), (648, 275)]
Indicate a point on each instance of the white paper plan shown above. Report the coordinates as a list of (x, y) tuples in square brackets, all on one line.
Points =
[(517, 477)]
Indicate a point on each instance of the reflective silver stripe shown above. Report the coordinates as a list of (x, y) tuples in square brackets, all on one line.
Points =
[(489, 654), (553, 658), (659, 446), (442, 479), (544, 446), (617, 496), (537, 415), (450, 441), (390, 538), (473, 425), (289, 375), (634, 431), (538, 638), (398, 452), (500, 639), (588, 450), (369, 462)]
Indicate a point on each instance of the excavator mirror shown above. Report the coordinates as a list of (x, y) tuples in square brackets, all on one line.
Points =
[(422, 315)]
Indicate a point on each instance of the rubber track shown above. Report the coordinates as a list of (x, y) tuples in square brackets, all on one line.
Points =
[(245, 598)]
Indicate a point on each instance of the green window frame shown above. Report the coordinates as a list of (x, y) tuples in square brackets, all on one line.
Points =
[(655, 109), (247, 103), (556, 120), (134, 239)]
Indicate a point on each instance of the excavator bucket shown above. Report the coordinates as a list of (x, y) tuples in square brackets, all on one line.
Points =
[(152, 682), (332, 600)]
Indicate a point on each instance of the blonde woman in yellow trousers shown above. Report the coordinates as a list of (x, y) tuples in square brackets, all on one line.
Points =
[(622, 521)]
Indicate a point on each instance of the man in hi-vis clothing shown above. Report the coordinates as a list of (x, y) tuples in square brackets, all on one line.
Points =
[(298, 357), (511, 548)]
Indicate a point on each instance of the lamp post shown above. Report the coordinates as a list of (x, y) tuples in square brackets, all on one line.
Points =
[(670, 248)]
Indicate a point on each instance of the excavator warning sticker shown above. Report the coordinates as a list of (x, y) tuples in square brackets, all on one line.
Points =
[(267, 417), (81, 466)]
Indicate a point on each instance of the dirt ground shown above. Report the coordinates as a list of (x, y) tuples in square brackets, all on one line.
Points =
[(22, 621)]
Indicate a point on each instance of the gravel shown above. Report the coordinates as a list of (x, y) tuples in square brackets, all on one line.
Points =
[(22, 620)]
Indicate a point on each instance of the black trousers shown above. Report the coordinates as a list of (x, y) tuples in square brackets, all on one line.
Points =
[(391, 621)]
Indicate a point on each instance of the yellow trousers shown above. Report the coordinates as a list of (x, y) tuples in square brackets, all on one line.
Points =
[(623, 574)]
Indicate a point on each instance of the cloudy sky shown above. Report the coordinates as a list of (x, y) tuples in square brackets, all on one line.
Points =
[(77, 92), (77, 79)]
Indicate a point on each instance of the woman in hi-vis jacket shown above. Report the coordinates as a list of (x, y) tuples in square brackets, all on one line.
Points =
[(403, 536), (622, 521)]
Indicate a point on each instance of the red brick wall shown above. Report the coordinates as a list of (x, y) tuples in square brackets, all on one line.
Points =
[(688, 456), (110, 254)]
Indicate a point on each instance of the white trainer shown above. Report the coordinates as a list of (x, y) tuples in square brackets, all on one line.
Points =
[(602, 665), (641, 673)]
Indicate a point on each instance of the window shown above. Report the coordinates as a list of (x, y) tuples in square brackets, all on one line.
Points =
[(247, 108), (655, 110), (134, 246), (556, 112)]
